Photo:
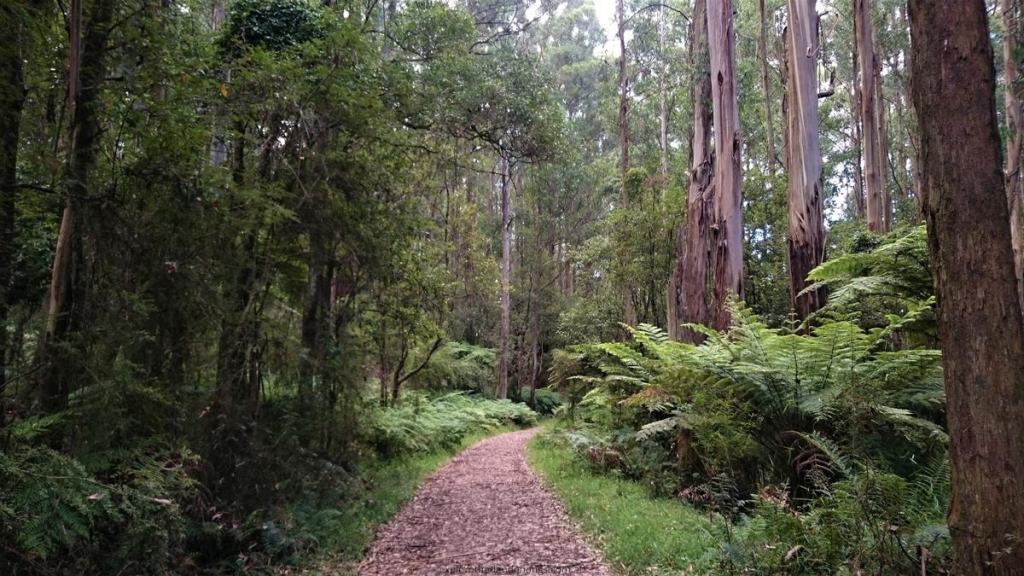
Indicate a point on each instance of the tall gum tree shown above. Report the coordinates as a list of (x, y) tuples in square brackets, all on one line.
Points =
[(806, 227), (505, 336), (872, 131), (981, 329), (693, 264), (728, 206), (629, 309), (762, 57), (88, 33)]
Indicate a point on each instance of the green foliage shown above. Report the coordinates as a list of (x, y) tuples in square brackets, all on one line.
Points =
[(458, 366), (547, 401), (833, 416), (888, 284), (58, 518), (272, 24), (425, 424), (857, 524)]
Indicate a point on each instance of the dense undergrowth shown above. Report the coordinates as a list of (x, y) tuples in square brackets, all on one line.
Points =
[(822, 448), (149, 509)]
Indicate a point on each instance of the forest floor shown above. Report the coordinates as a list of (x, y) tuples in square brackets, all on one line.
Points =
[(484, 513)]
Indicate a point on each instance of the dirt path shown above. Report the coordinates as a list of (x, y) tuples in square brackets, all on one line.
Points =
[(484, 513)]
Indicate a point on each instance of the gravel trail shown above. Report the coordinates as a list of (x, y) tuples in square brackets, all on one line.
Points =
[(484, 513)]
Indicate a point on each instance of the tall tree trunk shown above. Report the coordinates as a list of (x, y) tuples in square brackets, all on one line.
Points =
[(12, 98), (858, 142), (505, 352), (873, 157), (663, 102), (672, 290), (882, 149), (980, 324), (629, 310), (87, 51), (762, 54), (315, 316), (1012, 45), (806, 227), (623, 105), (728, 212), (693, 243)]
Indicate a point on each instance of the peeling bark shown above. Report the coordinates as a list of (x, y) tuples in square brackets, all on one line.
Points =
[(728, 206), (692, 269)]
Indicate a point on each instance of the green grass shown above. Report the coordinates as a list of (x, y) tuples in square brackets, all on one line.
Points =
[(637, 534), (343, 536)]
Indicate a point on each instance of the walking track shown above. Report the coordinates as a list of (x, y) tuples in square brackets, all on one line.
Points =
[(484, 513)]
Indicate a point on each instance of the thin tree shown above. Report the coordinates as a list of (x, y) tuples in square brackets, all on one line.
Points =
[(504, 339), (87, 50), (806, 227), (979, 314), (762, 56), (728, 205), (857, 139), (872, 130), (1012, 44), (629, 309)]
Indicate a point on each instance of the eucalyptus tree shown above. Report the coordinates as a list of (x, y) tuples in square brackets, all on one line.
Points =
[(693, 252), (873, 131), (727, 220), (981, 328), (803, 155)]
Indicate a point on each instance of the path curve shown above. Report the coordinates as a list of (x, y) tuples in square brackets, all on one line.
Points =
[(484, 513)]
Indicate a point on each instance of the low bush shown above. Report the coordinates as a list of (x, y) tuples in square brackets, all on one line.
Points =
[(458, 366), (424, 423)]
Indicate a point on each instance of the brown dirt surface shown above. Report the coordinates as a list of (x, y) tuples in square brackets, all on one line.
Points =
[(484, 513)]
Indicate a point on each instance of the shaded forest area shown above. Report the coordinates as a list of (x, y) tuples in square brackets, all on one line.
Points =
[(264, 263)]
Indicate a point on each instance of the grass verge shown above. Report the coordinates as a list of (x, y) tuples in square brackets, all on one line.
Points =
[(636, 534)]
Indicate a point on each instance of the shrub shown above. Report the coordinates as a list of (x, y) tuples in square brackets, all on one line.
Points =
[(425, 423), (458, 366), (58, 518)]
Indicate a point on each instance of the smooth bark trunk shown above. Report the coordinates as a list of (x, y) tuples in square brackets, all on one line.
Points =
[(87, 50), (1012, 45), (979, 313), (806, 227)]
